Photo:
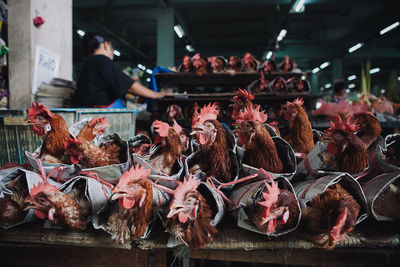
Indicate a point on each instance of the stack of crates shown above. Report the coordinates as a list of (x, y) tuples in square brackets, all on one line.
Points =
[(16, 136)]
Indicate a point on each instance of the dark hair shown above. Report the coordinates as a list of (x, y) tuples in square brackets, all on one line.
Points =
[(92, 41), (339, 86)]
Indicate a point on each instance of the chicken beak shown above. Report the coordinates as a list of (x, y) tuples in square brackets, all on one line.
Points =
[(175, 208), (197, 129), (275, 214)]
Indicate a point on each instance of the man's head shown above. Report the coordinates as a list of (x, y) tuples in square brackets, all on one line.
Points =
[(97, 44)]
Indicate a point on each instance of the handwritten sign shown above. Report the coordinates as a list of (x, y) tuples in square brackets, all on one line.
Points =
[(45, 67)]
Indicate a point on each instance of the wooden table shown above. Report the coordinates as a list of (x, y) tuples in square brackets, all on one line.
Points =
[(370, 243)]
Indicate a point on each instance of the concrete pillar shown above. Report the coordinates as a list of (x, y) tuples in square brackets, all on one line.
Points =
[(55, 35), (314, 83), (336, 69), (165, 37)]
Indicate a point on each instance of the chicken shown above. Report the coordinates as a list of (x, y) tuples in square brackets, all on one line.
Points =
[(189, 216), (234, 64), (287, 65), (88, 155), (12, 207), (274, 210), (200, 65), (278, 85), (130, 215), (346, 152), (295, 84), (50, 203), (217, 64), (211, 135), (93, 128), (52, 128), (330, 216), (249, 63), (300, 135), (187, 65), (388, 202), (254, 137), (241, 100), (370, 129), (171, 147), (268, 66)]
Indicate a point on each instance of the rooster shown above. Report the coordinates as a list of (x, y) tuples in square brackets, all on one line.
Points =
[(254, 137), (211, 136), (217, 64), (200, 65), (52, 128), (287, 64), (12, 207), (234, 64), (187, 65), (93, 128), (278, 85), (189, 216), (241, 100), (330, 216), (370, 129), (300, 135), (274, 210), (140, 145), (130, 215), (171, 147), (89, 155), (346, 152), (50, 203), (388, 202), (249, 63)]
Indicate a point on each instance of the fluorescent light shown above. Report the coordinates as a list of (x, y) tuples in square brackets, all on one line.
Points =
[(324, 65), (269, 54), (81, 33), (140, 66), (148, 80), (315, 70), (372, 71), (398, 78), (189, 48), (318, 105), (179, 31), (355, 47), (299, 6), (352, 85), (389, 28), (352, 77), (149, 71), (328, 85), (117, 53), (282, 35), (383, 91), (303, 77), (347, 91)]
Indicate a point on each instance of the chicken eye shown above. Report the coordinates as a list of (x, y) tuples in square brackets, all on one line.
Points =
[(338, 136)]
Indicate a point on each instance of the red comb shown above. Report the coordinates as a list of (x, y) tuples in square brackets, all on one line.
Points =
[(188, 185), (334, 233), (345, 126), (252, 114), (298, 101), (134, 173), (244, 94), (96, 121), (38, 109), (177, 128), (271, 197), (196, 57), (207, 112), (247, 56), (41, 187), (69, 142), (161, 128)]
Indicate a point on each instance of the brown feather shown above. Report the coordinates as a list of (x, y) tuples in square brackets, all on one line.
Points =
[(301, 137), (53, 142)]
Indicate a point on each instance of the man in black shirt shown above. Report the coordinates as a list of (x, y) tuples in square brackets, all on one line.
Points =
[(101, 83)]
